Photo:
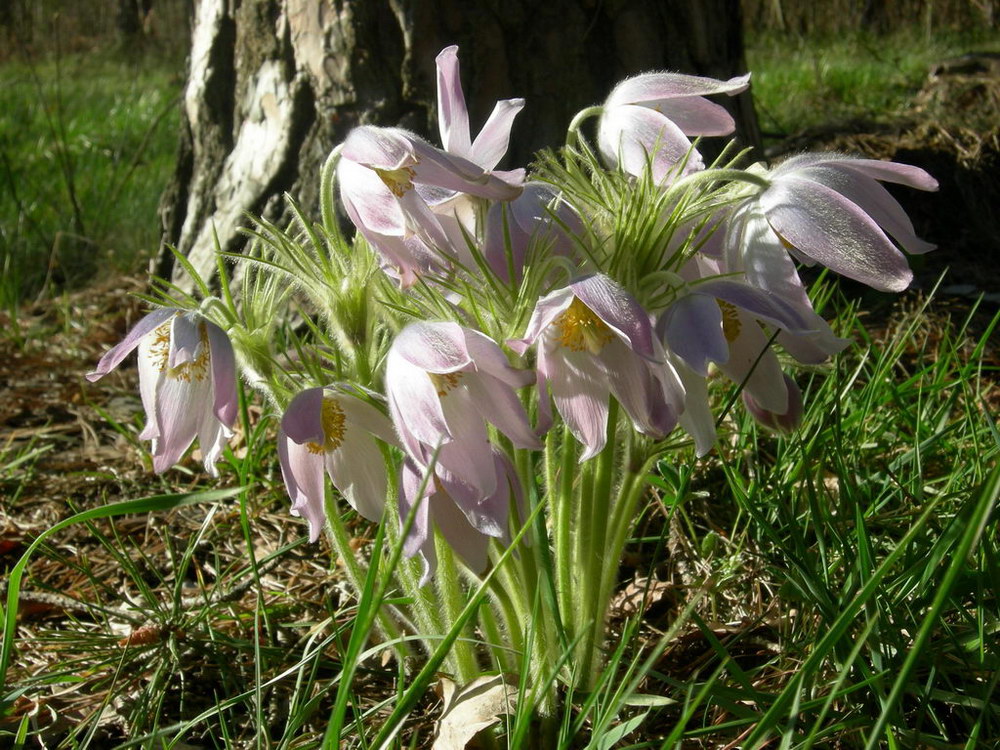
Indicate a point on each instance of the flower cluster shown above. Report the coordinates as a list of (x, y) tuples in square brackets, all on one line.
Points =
[(544, 295)]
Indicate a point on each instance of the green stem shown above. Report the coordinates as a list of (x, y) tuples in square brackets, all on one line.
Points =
[(561, 494), (341, 540), (600, 558), (452, 602)]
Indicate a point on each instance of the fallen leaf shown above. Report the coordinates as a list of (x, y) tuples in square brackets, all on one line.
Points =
[(473, 708)]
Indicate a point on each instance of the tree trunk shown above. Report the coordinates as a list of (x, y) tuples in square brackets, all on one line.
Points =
[(274, 85)]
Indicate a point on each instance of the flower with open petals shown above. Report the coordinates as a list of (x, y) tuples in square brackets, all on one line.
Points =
[(594, 340), (648, 118), (828, 209), (444, 383), (187, 380), (388, 179), (332, 430)]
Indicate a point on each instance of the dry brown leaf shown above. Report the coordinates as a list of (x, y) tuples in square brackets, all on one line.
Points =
[(473, 708)]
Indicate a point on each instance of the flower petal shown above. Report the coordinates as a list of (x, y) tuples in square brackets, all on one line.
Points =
[(302, 421), (581, 392), (453, 115), (225, 400), (618, 309), (113, 357), (302, 471), (358, 470), (633, 137), (825, 226), (494, 139), (692, 329), (652, 87)]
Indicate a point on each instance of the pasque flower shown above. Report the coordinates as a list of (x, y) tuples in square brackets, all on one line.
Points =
[(646, 120), (466, 527), (332, 430), (187, 380), (828, 209), (593, 340), (388, 180), (444, 383)]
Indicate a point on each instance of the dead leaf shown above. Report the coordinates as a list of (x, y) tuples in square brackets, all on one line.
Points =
[(473, 708)]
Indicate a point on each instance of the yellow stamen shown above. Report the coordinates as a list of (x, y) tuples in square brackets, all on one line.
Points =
[(332, 419), (445, 382), (579, 329), (196, 369), (397, 180), (731, 324)]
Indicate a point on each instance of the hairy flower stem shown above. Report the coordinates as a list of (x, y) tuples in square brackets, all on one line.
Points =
[(597, 557), (561, 492), (462, 659)]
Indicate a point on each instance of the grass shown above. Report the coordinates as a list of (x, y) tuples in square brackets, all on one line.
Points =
[(86, 147), (834, 586), (802, 82)]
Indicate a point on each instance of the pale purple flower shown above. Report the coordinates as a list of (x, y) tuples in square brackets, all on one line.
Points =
[(536, 218), (187, 380), (388, 180), (828, 209), (647, 120), (332, 431), (593, 339), (466, 527), (444, 383)]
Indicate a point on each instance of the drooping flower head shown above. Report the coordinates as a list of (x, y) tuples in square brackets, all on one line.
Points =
[(648, 118), (827, 209), (187, 380), (467, 528), (593, 340), (444, 383), (332, 430)]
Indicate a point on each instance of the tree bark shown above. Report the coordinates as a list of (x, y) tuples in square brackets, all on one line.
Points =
[(274, 85)]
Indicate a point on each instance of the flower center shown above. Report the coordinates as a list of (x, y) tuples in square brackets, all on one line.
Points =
[(579, 329), (445, 382), (196, 369), (332, 419), (731, 324), (397, 180)]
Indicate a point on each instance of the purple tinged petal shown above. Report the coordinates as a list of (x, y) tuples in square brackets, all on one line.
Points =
[(185, 339), (302, 421), (814, 348), (146, 325), (414, 405), (763, 305), (212, 437), (179, 408), (226, 401), (618, 309), (640, 394), (369, 203), (751, 359), (641, 137), (380, 148), (470, 544), (435, 167), (358, 470), (453, 115), (692, 329), (765, 260), (410, 483), (302, 471), (360, 414), (501, 407), (830, 229), (489, 358), (494, 139), (697, 116), (580, 391), (437, 347), (786, 421), (651, 87), (696, 419), (888, 171), (871, 198), (547, 309)]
